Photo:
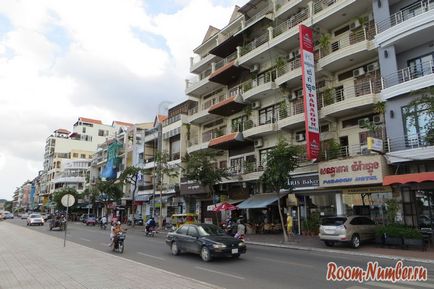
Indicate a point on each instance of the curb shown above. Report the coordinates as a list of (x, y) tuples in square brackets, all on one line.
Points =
[(301, 248)]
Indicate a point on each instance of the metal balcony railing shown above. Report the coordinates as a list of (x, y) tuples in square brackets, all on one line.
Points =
[(320, 5), (408, 73), (258, 41), (227, 34), (193, 141), (258, 81), (293, 21), (267, 9), (226, 60), (246, 167), (410, 141), (408, 13), (198, 78), (344, 151), (288, 67)]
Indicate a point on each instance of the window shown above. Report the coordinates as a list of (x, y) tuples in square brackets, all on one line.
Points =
[(324, 128), (415, 119), (192, 232), (75, 155), (236, 164), (84, 130), (238, 123), (182, 230), (83, 156), (341, 30), (422, 65), (175, 149), (101, 132), (268, 114), (263, 156)]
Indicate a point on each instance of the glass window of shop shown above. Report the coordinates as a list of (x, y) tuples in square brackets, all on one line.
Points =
[(323, 204), (371, 205)]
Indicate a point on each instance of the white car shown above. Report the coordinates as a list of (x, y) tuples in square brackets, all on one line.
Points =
[(35, 219)]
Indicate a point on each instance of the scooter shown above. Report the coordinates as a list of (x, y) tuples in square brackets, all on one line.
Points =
[(150, 232), (239, 237), (118, 245), (102, 225)]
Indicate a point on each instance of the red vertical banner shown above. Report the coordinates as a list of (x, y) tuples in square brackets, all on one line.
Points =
[(309, 92)]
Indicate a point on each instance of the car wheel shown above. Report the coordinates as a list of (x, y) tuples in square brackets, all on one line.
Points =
[(205, 254), (236, 256), (329, 243), (174, 248), (355, 241)]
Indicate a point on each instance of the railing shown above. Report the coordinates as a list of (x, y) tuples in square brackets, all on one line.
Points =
[(198, 78), (320, 5), (344, 151), (351, 39), (254, 43), (408, 73), (226, 60), (245, 168), (258, 81), (212, 134), (258, 15), (288, 67), (171, 120), (410, 141), (193, 110), (293, 21), (403, 15), (193, 141), (220, 96), (227, 34)]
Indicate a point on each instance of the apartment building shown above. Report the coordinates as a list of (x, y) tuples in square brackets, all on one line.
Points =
[(405, 44), (249, 93)]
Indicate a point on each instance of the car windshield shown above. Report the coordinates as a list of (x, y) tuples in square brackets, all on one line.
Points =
[(210, 230), (35, 216), (333, 221)]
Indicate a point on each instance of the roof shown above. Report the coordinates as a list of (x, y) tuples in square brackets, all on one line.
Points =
[(409, 178), (210, 33), (223, 139), (235, 14), (89, 120), (62, 130), (121, 123)]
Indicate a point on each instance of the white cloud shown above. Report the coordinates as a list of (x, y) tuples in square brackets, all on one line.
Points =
[(93, 64)]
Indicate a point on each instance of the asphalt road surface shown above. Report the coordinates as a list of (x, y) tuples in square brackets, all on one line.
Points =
[(260, 267)]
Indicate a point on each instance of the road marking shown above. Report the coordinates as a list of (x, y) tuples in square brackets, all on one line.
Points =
[(388, 285), (285, 262), (87, 240), (418, 284), (151, 256), (221, 273)]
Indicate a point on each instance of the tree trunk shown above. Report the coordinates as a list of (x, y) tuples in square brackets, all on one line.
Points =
[(285, 235), (132, 202)]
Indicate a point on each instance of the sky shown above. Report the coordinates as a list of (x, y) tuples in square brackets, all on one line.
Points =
[(104, 59)]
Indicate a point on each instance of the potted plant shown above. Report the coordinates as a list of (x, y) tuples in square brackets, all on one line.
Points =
[(328, 96), (247, 86), (248, 124), (324, 43), (280, 63), (391, 234), (412, 237)]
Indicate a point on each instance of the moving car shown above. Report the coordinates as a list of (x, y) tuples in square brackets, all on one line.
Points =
[(9, 216), (24, 216), (90, 220), (352, 229), (35, 219), (207, 240)]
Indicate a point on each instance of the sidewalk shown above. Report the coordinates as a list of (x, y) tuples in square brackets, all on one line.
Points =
[(312, 243), (33, 260)]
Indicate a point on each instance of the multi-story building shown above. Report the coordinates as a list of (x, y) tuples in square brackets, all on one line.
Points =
[(405, 44), (249, 93)]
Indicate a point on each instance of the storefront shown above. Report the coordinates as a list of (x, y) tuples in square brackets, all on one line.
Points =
[(196, 198)]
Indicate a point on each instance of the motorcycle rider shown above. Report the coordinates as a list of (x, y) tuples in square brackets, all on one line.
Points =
[(115, 230), (103, 222), (241, 230), (150, 224)]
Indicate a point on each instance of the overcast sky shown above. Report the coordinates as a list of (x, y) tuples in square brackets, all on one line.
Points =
[(103, 59)]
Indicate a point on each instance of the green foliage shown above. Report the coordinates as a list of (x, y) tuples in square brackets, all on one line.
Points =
[(283, 111), (112, 190), (201, 167), (57, 197), (281, 160), (248, 124), (328, 96), (333, 149), (398, 231), (392, 207), (324, 41), (380, 107), (426, 100), (247, 86)]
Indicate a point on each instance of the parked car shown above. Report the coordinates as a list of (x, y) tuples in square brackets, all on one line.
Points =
[(352, 229), (207, 240), (35, 219), (90, 220), (47, 217), (9, 216), (24, 216)]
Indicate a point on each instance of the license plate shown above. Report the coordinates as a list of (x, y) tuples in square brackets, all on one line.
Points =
[(234, 251), (329, 232)]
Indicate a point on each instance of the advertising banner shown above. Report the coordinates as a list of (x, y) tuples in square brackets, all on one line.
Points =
[(309, 93)]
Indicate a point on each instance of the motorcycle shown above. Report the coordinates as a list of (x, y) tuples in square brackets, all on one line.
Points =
[(103, 225), (239, 237), (57, 223), (118, 245), (137, 222), (150, 232)]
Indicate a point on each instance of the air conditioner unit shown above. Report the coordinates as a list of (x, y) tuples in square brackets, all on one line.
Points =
[(363, 122), (358, 72), (372, 67), (356, 24), (256, 105), (377, 119), (364, 150), (259, 142), (293, 54), (300, 137), (255, 68)]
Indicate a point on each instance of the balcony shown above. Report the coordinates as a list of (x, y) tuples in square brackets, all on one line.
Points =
[(343, 100), (227, 40), (356, 45), (259, 87), (195, 145), (410, 148), (199, 64), (345, 152), (228, 141), (264, 16), (255, 129), (226, 70), (408, 79), (289, 72), (292, 116), (199, 84), (399, 30), (233, 103), (247, 171)]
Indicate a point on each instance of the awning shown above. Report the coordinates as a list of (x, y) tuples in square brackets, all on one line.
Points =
[(409, 178), (164, 198), (144, 198), (232, 202), (260, 200)]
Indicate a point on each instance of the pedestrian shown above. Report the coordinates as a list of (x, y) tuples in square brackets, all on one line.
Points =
[(289, 224)]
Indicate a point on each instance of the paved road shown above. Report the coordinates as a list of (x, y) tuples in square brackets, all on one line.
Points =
[(261, 267)]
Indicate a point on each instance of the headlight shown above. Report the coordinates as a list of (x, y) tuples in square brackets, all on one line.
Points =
[(219, 246), (241, 244)]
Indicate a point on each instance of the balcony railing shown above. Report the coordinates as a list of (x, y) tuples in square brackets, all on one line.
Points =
[(258, 15), (246, 167), (209, 135), (293, 21), (258, 81), (408, 73), (344, 152), (409, 12), (171, 120), (258, 41), (288, 67), (410, 141), (226, 60), (320, 5), (197, 78), (194, 140)]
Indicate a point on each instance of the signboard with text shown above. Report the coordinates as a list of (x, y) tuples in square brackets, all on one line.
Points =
[(363, 170), (309, 92)]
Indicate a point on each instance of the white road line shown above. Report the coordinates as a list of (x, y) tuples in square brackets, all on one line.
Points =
[(418, 284), (388, 285), (221, 273), (285, 262), (151, 256), (87, 240)]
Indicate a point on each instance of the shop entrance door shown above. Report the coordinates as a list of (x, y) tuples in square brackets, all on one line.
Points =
[(425, 210)]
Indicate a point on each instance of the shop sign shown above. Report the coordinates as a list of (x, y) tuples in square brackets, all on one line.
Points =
[(375, 144), (191, 187), (368, 190), (355, 171), (304, 181)]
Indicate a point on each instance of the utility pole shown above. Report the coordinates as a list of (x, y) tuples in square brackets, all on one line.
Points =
[(156, 175)]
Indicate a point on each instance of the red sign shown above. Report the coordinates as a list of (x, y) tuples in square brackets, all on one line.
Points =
[(309, 92)]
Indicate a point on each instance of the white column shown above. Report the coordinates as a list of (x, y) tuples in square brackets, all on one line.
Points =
[(339, 204)]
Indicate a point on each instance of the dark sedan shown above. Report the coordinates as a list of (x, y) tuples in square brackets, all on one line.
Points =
[(205, 239)]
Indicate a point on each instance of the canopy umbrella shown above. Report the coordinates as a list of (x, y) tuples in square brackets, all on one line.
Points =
[(225, 206)]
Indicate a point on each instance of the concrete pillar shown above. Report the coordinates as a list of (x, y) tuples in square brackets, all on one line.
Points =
[(270, 33), (212, 67), (339, 204)]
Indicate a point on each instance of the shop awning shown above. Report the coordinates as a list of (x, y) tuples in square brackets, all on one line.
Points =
[(144, 197), (409, 178), (232, 202), (260, 200)]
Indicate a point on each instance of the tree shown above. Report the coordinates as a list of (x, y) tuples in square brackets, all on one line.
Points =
[(8, 206), (281, 160), (92, 193), (201, 167), (57, 197), (426, 101), (110, 189)]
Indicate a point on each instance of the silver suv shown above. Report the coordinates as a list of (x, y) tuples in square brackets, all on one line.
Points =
[(352, 229)]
